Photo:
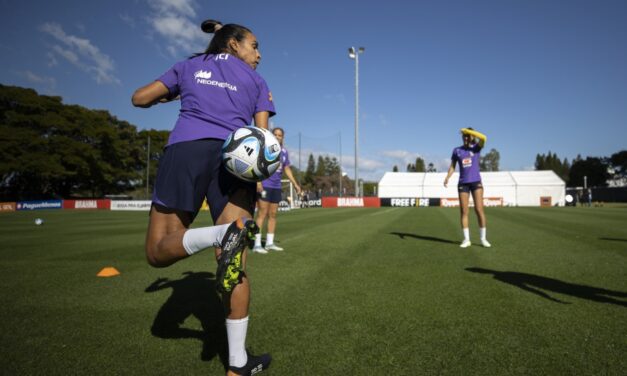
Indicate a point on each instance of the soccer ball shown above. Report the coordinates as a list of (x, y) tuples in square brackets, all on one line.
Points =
[(39, 221), (251, 154)]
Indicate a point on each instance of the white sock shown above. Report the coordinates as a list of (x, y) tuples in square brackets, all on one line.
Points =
[(269, 238), (197, 239), (482, 232), (466, 233), (236, 334), (258, 240)]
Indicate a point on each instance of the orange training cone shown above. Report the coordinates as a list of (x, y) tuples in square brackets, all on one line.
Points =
[(108, 272)]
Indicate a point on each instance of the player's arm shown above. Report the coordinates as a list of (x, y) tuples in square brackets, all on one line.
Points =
[(451, 169), (150, 95), (261, 119), (290, 176), (480, 136)]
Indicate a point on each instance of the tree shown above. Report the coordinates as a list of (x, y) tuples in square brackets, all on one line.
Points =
[(310, 171), (551, 161), (411, 168), (618, 162), (49, 149), (420, 165), (321, 167), (395, 168), (490, 161), (431, 168), (593, 169)]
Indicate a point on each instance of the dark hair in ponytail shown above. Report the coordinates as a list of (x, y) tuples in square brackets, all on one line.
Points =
[(222, 34)]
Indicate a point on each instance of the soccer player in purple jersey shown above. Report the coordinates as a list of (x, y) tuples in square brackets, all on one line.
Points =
[(468, 157), (219, 92), (270, 196)]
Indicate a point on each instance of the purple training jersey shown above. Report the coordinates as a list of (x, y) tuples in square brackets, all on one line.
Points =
[(219, 94), (274, 181), (468, 160)]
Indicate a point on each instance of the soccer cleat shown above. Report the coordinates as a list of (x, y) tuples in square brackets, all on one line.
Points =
[(465, 244), (239, 235), (254, 365), (485, 243), (259, 249), (273, 247)]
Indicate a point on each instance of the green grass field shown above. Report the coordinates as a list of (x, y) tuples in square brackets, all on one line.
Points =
[(357, 292)]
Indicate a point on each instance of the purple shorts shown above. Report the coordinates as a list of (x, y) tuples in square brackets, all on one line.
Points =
[(271, 195), (469, 187), (191, 171)]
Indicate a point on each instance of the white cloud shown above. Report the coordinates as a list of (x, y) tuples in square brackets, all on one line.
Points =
[(182, 7), (52, 60), (174, 21), (66, 54), (36, 79), (83, 54)]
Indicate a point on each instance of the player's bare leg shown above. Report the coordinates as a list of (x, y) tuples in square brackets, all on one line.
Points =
[(272, 211), (477, 196), (262, 213), (164, 238), (464, 198)]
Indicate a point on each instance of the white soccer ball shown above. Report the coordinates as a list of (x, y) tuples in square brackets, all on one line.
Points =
[(251, 154), (39, 221)]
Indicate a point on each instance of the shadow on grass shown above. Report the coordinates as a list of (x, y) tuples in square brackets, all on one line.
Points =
[(193, 295), (404, 235), (614, 239), (538, 285)]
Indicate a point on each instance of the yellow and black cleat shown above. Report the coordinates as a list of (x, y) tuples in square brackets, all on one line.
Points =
[(238, 236)]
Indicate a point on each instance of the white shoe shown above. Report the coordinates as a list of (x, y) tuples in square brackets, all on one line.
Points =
[(259, 249), (465, 244), (485, 243), (273, 247)]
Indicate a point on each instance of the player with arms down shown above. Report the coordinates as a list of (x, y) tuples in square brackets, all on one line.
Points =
[(219, 92), (467, 157), (270, 197)]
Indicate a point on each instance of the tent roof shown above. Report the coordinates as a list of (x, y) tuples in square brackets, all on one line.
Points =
[(497, 178)]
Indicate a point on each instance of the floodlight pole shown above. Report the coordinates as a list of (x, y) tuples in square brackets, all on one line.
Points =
[(353, 53), (340, 192), (148, 168)]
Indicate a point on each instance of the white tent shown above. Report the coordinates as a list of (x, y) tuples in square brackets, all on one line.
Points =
[(516, 188)]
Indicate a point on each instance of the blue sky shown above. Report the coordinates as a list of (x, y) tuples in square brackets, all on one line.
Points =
[(532, 75)]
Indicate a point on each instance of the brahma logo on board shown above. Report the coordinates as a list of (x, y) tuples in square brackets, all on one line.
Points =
[(352, 202), (86, 204)]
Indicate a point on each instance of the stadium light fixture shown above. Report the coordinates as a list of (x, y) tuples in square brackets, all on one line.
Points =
[(353, 53)]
